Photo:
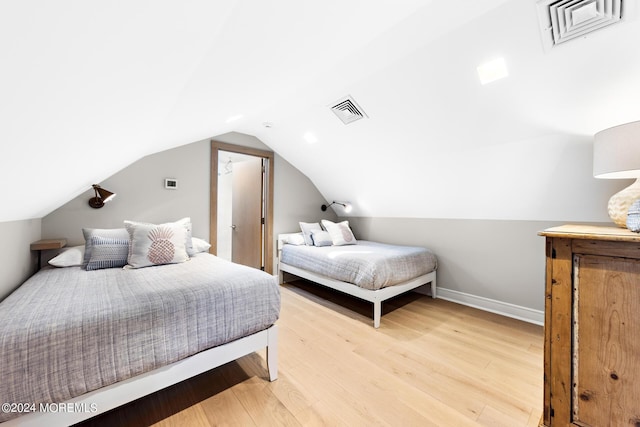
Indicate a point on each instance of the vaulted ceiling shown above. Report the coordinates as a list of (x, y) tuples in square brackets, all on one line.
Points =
[(88, 87)]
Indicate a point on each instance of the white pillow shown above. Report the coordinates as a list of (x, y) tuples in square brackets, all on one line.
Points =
[(321, 238), (200, 245), (68, 257), (306, 228), (188, 243), (152, 244), (340, 233), (296, 239)]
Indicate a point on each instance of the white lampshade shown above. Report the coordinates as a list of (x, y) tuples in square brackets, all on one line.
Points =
[(616, 152), (616, 155)]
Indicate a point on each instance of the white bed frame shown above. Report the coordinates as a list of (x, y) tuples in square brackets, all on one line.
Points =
[(110, 397), (376, 297)]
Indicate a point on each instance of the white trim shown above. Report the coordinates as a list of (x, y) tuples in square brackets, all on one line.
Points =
[(494, 306), (107, 398)]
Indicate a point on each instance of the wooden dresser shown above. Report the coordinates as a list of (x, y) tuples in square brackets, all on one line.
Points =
[(592, 327)]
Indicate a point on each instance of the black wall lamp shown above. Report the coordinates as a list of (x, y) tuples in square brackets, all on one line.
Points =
[(346, 205), (102, 196)]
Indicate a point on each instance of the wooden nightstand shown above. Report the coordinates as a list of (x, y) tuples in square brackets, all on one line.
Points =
[(46, 244)]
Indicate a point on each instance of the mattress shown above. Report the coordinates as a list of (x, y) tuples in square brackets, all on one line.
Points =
[(69, 331), (370, 265)]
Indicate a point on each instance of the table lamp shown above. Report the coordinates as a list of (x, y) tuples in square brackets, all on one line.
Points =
[(616, 155)]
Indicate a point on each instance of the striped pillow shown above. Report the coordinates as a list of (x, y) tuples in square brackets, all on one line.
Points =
[(112, 233), (108, 253)]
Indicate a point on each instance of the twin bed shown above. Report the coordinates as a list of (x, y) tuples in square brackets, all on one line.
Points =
[(367, 270)]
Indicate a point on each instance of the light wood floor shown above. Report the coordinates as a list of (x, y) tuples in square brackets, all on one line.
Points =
[(431, 363)]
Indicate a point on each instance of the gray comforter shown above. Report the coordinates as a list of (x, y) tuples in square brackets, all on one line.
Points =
[(68, 331), (369, 265)]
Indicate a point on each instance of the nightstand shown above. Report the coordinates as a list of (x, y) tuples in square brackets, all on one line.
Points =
[(46, 244)]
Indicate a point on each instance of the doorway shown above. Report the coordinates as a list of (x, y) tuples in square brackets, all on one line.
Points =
[(241, 220)]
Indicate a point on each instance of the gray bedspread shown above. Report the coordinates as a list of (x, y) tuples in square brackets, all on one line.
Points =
[(370, 265), (68, 331)]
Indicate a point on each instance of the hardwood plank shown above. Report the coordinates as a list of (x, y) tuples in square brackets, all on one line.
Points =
[(349, 408), (492, 417), (423, 375), (261, 405), (321, 414), (295, 396), (194, 416), (225, 409)]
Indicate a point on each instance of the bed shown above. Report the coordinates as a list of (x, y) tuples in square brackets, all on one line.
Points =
[(368, 270), (76, 343)]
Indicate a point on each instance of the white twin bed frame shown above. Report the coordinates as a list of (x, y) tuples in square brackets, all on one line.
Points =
[(376, 297), (110, 397)]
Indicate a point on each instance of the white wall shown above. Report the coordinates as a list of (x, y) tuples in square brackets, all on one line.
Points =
[(18, 262), (141, 194)]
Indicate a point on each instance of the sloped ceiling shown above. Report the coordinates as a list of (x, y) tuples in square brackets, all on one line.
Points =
[(88, 87)]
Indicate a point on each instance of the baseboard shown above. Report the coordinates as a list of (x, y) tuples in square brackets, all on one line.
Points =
[(493, 306)]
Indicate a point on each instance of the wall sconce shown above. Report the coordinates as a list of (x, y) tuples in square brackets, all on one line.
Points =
[(102, 196), (616, 155), (346, 205)]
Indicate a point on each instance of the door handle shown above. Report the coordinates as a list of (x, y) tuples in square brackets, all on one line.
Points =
[(233, 226)]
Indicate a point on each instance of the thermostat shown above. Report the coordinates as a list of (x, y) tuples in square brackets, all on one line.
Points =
[(171, 183)]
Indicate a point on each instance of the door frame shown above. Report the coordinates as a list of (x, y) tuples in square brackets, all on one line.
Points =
[(216, 147)]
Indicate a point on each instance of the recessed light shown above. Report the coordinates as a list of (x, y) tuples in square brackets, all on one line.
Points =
[(234, 118), (492, 70), (310, 138), (267, 124)]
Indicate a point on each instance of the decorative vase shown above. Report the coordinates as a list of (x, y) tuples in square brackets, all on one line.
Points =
[(620, 203)]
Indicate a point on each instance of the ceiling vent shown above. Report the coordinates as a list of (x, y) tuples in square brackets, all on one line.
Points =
[(348, 110), (563, 20)]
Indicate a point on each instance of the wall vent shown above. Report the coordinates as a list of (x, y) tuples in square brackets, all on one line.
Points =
[(563, 20), (348, 110)]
